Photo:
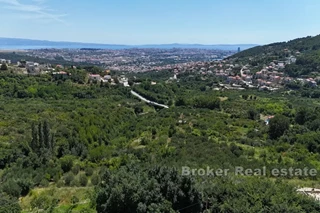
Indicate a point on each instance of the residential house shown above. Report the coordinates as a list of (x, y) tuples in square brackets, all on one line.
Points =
[(311, 82), (95, 77), (246, 71), (33, 68), (288, 79), (61, 75), (275, 79), (264, 71), (231, 79), (281, 65), (291, 60), (248, 78), (222, 75), (234, 80), (258, 74), (107, 78), (261, 82), (229, 70)]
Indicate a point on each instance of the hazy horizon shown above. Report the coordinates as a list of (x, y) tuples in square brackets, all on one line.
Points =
[(142, 44)]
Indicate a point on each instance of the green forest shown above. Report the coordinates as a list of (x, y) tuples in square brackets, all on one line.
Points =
[(70, 146)]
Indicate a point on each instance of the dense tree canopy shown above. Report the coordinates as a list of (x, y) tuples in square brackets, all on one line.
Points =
[(65, 136), (278, 125)]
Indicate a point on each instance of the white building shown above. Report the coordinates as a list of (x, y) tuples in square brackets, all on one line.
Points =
[(94, 77)]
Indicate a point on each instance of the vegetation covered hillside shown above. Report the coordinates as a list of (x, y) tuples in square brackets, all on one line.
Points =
[(88, 147), (306, 51)]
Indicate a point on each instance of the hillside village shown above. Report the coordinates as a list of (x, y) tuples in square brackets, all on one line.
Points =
[(234, 75), (59, 72)]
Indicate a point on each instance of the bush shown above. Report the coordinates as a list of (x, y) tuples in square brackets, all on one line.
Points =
[(41, 202), (68, 179), (75, 183), (12, 188), (74, 200), (60, 184), (253, 114), (89, 171), (44, 183), (76, 169), (4, 66), (83, 180), (9, 205), (95, 179), (66, 163)]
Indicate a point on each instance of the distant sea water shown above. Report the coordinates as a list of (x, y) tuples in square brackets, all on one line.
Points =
[(29, 44), (32, 47), (10, 47), (118, 47)]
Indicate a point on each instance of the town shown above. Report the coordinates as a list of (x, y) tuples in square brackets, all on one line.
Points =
[(231, 74), (132, 60)]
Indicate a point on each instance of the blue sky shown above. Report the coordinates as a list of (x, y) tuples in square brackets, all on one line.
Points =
[(160, 21)]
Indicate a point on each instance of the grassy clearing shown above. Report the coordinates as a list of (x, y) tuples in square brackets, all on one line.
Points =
[(68, 199)]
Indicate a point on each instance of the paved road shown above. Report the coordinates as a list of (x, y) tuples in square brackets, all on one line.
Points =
[(148, 101), (241, 72)]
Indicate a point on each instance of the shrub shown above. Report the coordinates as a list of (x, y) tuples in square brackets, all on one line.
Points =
[(40, 202), (76, 169), (60, 184), (75, 183), (83, 180), (7, 204), (66, 163), (95, 179), (44, 183), (74, 200), (89, 171), (68, 178), (4, 66), (12, 188)]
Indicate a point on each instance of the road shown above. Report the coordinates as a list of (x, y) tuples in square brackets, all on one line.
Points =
[(241, 72), (148, 101)]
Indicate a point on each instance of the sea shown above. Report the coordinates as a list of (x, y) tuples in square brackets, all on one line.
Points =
[(32, 47), (119, 47)]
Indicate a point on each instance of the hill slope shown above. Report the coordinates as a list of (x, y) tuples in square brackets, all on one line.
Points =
[(306, 51)]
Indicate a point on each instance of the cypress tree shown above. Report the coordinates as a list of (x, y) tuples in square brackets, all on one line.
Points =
[(40, 133), (35, 141), (46, 134)]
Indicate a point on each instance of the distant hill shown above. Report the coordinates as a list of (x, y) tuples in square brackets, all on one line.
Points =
[(306, 50), (14, 43)]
